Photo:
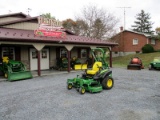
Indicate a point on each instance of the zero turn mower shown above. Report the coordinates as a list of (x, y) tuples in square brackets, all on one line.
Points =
[(95, 79)]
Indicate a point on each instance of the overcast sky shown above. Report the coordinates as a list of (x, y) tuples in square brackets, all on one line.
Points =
[(63, 9)]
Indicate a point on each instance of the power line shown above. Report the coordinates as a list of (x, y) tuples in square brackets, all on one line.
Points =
[(124, 14)]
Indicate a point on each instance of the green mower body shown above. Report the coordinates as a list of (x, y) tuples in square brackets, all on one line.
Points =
[(102, 80), (155, 64), (14, 70)]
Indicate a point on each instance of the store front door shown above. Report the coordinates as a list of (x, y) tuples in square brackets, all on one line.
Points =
[(44, 58)]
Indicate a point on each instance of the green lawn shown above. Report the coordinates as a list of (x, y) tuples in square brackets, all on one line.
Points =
[(146, 59)]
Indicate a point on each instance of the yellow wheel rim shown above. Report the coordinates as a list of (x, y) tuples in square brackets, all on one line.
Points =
[(5, 75), (83, 91), (109, 83), (69, 86)]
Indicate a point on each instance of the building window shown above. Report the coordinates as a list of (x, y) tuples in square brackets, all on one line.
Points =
[(44, 54), (83, 53), (34, 54), (63, 53), (116, 52), (135, 41), (8, 52), (153, 42)]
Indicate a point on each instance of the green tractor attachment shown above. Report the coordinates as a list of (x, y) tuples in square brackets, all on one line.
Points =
[(62, 63), (14, 70), (155, 64), (95, 79), (77, 65)]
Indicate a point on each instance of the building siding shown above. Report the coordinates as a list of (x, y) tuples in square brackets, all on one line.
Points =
[(52, 56), (8, 19), (128, 41), (25, 57), (23, 25)]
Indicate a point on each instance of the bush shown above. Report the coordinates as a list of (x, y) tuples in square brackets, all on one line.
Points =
[(148, 48)]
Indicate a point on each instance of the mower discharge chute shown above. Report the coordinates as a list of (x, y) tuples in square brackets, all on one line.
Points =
[(14, 70), (135, 64), (95, 79)]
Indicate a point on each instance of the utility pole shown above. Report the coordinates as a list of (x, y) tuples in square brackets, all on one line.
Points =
[(124, 14)]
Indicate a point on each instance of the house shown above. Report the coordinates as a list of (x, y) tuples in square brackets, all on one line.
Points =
[(22, 39), (131, 42)]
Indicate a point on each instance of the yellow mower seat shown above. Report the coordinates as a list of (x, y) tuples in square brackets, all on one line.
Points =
[(5, 59), (95, 68)]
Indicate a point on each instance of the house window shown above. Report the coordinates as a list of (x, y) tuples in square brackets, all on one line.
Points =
[(153, 42), (8, 52), (135, 41), (63, 52), (83, 53)]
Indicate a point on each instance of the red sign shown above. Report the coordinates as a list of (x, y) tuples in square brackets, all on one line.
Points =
[(57, 34), (50, 31)]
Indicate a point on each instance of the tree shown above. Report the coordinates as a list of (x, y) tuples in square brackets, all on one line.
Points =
[(48, 15), (69, 24), (95, 23), (158, 30), (143, 23)]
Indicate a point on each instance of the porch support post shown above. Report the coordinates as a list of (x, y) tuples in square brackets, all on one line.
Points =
[(38, 47), (69, 54), (110, 56), (69, 48), (39, 63)]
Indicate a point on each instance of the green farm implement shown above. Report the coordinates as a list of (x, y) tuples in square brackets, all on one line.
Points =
[(155, 64), (14, 70), (95, 79)]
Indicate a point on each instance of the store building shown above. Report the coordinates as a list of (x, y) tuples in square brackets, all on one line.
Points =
[(19, 40)]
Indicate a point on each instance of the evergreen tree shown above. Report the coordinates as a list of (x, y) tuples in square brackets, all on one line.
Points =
[(143, 23)]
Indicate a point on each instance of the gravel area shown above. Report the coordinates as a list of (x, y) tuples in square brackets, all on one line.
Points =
[(135, 96)]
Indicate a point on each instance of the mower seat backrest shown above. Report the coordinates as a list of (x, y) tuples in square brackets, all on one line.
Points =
[(95, 68)]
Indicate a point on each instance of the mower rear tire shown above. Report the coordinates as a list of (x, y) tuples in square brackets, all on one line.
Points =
[(69, 86), (107, 83), (82, 90)]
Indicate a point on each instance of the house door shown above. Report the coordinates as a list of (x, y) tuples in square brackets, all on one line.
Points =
[(44, 58)]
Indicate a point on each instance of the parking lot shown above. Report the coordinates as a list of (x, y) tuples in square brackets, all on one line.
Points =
[(135, 96)]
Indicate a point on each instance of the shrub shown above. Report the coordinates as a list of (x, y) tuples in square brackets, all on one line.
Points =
[(147, 48)]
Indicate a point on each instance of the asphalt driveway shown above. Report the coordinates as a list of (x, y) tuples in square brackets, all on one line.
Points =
[(135, 96)]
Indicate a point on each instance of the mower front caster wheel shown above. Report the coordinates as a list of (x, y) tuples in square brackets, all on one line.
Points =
[(69, 86), (82, 90)]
